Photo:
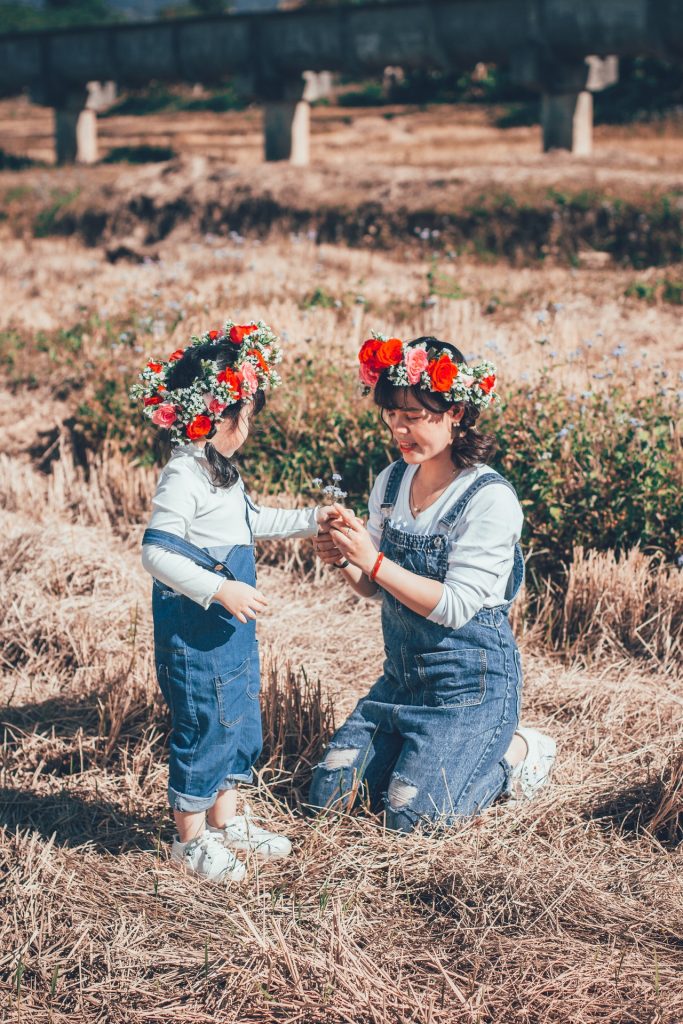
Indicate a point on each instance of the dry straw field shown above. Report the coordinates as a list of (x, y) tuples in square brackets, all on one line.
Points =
[(569, 909)]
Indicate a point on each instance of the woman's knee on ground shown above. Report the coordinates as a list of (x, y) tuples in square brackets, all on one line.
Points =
[(335, 777), (339, 757)]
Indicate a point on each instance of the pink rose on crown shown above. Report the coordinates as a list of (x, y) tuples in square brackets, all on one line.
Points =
[(214, 404), (164, 415), (416, 361), (467, 379), (248, 375)]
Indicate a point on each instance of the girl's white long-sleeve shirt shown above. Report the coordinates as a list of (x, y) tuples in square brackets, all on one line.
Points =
[(482, 544), (188, 505)]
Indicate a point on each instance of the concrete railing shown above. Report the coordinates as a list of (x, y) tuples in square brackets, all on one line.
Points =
[(549, 45)]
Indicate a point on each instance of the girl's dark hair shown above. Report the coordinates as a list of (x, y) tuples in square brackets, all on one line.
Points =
[(469, 445), (184, 371)]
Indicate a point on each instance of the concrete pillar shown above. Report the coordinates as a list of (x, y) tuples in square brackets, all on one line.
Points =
[(287, 131), (76, 112), (566, 89), (86, 137), (567, 122), (75, 129)]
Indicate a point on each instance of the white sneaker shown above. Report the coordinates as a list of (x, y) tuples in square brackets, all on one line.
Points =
[(532, 773), (241, 833), (207, 857)]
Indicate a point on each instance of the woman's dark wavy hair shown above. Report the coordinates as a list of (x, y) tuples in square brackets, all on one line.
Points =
[(184, 371), (469, 447)]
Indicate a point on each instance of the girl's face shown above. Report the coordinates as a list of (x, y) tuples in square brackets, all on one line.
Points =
[(421, 434), (230, 435)]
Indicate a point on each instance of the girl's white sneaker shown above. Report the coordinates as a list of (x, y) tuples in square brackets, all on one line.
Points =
[(242, 833), (207, 857), (532, 773)]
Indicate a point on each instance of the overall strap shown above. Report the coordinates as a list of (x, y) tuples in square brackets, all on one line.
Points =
[(396, 474), (171, 542), (449, 520)]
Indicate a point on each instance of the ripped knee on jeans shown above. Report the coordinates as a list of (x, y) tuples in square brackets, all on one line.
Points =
[(400, 793), (340, 757)]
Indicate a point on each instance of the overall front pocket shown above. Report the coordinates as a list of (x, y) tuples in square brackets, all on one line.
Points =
[(231, 694), (455, 678)]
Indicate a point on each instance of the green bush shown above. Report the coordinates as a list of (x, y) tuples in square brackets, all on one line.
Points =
[(602, 470)]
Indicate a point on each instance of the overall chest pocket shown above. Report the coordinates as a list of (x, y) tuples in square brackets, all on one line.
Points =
[(455, 678)]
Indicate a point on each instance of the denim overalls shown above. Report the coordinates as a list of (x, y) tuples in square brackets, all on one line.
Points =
[(207, 664), (429, 739)]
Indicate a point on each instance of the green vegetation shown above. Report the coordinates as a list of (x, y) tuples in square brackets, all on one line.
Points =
[(139, 155), (442, 284), (602, 470), (13, 162), (662, 289), (24, 17), (158, 98), (46, 221)]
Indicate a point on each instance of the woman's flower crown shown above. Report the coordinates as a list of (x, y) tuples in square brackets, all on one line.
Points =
[(191, 413), (433, 369)]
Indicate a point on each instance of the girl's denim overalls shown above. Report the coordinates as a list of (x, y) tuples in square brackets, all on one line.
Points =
[(429, 739), (207, 665)]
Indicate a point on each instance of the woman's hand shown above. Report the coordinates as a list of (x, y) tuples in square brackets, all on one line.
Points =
[(352, 540), (325, 549), (240, 599)]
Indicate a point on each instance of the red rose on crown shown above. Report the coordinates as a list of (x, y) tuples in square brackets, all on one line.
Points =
[(229, 377), (390, 352), (487, 384), (198, 427), (178, 354), (152, 400), (155, 367), (368, 354), (370, 368), (238, 334), (442, 372), (213, 335)]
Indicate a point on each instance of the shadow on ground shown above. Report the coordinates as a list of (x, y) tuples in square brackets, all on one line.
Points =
[(77, 821)]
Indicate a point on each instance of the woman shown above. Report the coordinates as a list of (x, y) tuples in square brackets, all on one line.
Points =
[(437, 736)]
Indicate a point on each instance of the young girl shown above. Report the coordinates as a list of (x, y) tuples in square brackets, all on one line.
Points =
[(436, 737), (199, 548)]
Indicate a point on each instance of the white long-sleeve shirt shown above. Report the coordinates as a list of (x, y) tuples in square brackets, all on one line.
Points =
[(482, 544), (188, 505)]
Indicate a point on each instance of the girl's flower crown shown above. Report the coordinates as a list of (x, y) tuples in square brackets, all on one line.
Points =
[(433, 369), (191, 413)]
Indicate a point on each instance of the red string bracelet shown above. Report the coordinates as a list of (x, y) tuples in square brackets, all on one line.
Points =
[(375, 568)]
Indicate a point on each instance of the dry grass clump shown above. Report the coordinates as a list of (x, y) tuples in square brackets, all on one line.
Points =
[(623, 604), (667, 819), (298, 721)]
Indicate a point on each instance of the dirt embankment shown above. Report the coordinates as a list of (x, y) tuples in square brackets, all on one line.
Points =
[(133, 211)]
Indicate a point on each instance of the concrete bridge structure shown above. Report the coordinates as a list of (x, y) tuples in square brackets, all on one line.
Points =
[(565, 49)]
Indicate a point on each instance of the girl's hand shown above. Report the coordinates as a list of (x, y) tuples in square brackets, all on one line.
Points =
[(324, 516), (352, 540), (325, 549), (241, 600)]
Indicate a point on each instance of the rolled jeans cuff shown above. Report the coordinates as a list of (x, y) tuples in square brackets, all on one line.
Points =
[(190, 804)]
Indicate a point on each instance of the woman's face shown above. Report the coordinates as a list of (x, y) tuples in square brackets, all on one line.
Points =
[(230, 435), (421, 434)]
